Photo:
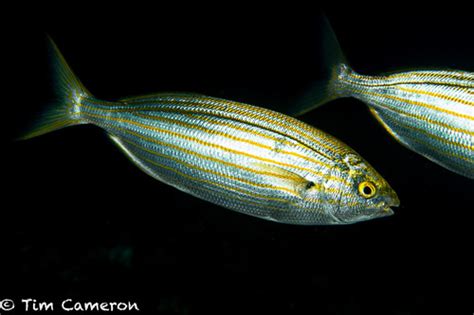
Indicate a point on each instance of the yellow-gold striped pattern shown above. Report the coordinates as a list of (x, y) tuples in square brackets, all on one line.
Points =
[(246, 158), (242, 157), (430, 112)]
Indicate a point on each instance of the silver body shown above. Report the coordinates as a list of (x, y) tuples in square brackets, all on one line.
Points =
[(430, 112), (242, 157)]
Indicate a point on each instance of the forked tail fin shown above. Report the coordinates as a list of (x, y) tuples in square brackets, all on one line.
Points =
[(64, 111), (332, 62)]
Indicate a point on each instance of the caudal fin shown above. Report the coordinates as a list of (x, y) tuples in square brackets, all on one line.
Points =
[(332, 61), (64, 111)]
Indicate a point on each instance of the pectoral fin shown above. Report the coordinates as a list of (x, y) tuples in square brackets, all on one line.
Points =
[(387, 126), (287, 178)]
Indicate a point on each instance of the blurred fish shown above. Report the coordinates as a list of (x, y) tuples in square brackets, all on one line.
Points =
[(429, 111), (242, 157)]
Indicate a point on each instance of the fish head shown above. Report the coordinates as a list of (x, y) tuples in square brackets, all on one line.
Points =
[(366, 195)]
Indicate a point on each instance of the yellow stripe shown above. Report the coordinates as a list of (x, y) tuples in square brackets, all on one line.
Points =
[(229, 177), (428, 120), (196, 154), (206, 118), (239, 199), (428, 144), (316, 201), (226, 106), (209, 144), (438, 95), (232, 178), (290, 122), (436, 137), (434, 74), (158, 95), (202, 156), (228, 136), (389, 80), (425, 119), (421, 104), (211, 182)]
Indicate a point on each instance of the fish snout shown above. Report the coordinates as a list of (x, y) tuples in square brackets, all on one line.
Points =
[(391, 201)]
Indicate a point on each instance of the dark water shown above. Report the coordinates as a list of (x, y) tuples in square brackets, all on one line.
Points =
[(80, 221)]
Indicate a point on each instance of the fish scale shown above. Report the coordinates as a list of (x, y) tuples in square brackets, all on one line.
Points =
[(429, 112), (204, 170), (246, 158)]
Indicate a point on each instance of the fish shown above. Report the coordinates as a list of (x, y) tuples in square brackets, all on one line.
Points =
[(245, 158), (430, 112)]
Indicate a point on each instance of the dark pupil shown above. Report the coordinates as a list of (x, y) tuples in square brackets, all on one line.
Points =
[(309, 185), (367, 190)]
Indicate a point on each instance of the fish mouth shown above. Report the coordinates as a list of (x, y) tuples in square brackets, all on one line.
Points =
[(380, 210), (387, 206), (387, 211)]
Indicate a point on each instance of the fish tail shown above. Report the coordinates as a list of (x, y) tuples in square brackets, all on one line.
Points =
[(64, 111), (332, 63)]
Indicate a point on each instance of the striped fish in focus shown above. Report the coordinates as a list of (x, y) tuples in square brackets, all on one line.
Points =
[(245, 158), (430, 112)]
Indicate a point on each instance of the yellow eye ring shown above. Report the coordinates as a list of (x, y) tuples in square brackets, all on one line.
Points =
[(367, 189)]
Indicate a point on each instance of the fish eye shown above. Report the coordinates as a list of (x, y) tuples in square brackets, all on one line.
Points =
[(310, 185), (367, 189)]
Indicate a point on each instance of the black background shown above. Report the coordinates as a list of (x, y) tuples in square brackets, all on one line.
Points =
[(80, 221)]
